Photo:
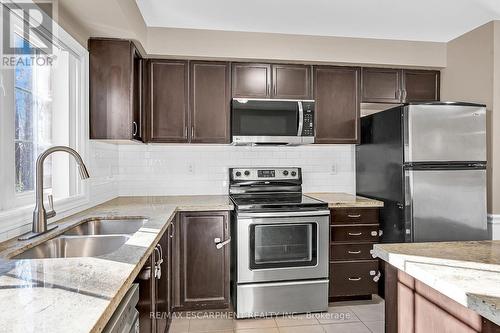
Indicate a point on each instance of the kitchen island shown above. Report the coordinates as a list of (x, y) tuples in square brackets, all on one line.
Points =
[(442, 287)]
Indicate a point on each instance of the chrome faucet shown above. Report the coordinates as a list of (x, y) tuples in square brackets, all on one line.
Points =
[(40, 215)]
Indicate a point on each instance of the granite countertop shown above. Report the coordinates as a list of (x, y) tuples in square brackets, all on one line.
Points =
[(81, 294), (344, 200), (467, 272)]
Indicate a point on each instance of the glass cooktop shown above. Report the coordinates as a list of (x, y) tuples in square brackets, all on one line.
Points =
[(279, 201)]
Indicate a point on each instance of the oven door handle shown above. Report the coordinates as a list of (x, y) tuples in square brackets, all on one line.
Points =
[(285, 214), (301, 118)]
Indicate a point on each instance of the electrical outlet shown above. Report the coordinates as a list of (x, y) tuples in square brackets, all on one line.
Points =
[(333, 169), (191, 169)]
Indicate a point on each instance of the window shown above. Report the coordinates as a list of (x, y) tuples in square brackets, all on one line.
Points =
[(41, 105), (33, 120)]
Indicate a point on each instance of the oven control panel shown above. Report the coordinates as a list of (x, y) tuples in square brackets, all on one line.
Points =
[(265, 173)]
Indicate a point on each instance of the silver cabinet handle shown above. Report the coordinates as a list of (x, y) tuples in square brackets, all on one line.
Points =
[(405, 94), (136, 128), (354, 252), (185, 131), (219, 245), (355, 233), (377, 277), (192, 132), (354, 216), (354, 279), (158, 263), (172, 230)]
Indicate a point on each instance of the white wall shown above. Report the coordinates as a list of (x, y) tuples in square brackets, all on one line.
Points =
[(203, 169)]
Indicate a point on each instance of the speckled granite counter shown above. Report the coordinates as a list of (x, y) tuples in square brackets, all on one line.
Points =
[(467, 272), (81, 294), (340, 200)]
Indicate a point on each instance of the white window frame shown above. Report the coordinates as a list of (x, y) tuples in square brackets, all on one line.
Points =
[(20, 218)]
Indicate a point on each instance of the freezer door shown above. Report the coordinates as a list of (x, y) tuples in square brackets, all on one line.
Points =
[(444, 133), (446, 205)]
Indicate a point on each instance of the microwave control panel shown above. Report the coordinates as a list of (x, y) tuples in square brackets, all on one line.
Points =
[(308, 126)]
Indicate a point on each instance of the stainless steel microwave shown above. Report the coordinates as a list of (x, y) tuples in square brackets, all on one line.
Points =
[(272, 121)]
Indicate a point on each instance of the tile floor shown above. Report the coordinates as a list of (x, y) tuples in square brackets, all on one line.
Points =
[(342, 317)]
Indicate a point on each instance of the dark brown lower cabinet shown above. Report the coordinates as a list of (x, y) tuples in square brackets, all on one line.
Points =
[(353, 278), (203, 261), (155, 287), (412, 306), (354, 273), (148, 296)]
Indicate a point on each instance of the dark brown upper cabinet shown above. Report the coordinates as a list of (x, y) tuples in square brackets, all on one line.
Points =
[(291, 81), (336, 91), (251, 80), (203, 267), (210, 100), (388, 85), (421, 85), (381, 85), (168, 101), (271, 81), (115, 76)]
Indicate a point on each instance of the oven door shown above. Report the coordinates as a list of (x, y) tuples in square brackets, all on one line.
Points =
[(266, 121), (279, 247)]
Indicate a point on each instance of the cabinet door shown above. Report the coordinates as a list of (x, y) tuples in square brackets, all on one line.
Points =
[(251, 80), (204, 268), (336, 91), (137, 96), (168, 93), (163, 307), (381, 85), (210, 100), (291, 81), (110, 80), (148, 297), (421, 86)]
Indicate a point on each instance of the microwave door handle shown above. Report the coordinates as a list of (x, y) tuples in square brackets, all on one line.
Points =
[(301, 119)]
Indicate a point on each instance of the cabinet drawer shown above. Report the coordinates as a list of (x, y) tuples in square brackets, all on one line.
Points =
[(352, 234), (354, 215), (353, 278), (354, 251)]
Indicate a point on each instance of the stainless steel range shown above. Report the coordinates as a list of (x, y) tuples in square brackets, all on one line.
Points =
[(280, 244)]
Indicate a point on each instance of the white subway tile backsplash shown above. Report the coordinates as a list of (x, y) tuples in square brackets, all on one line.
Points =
[(155, 169), (203, 169)]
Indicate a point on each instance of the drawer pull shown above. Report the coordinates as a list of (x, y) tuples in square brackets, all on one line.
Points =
[(354, 279), (354, 252), (374, 233), (354, 216), (355, 233)]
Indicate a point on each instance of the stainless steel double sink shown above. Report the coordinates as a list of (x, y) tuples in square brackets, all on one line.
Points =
[(91, 238)]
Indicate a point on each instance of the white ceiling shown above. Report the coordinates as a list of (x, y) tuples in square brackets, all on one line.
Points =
[(423, 20)]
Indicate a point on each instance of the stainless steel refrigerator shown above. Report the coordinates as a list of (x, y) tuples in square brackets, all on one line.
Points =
[(427, 162)]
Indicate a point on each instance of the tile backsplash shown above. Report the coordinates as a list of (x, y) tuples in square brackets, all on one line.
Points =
[(203, 169), (129, 170)]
